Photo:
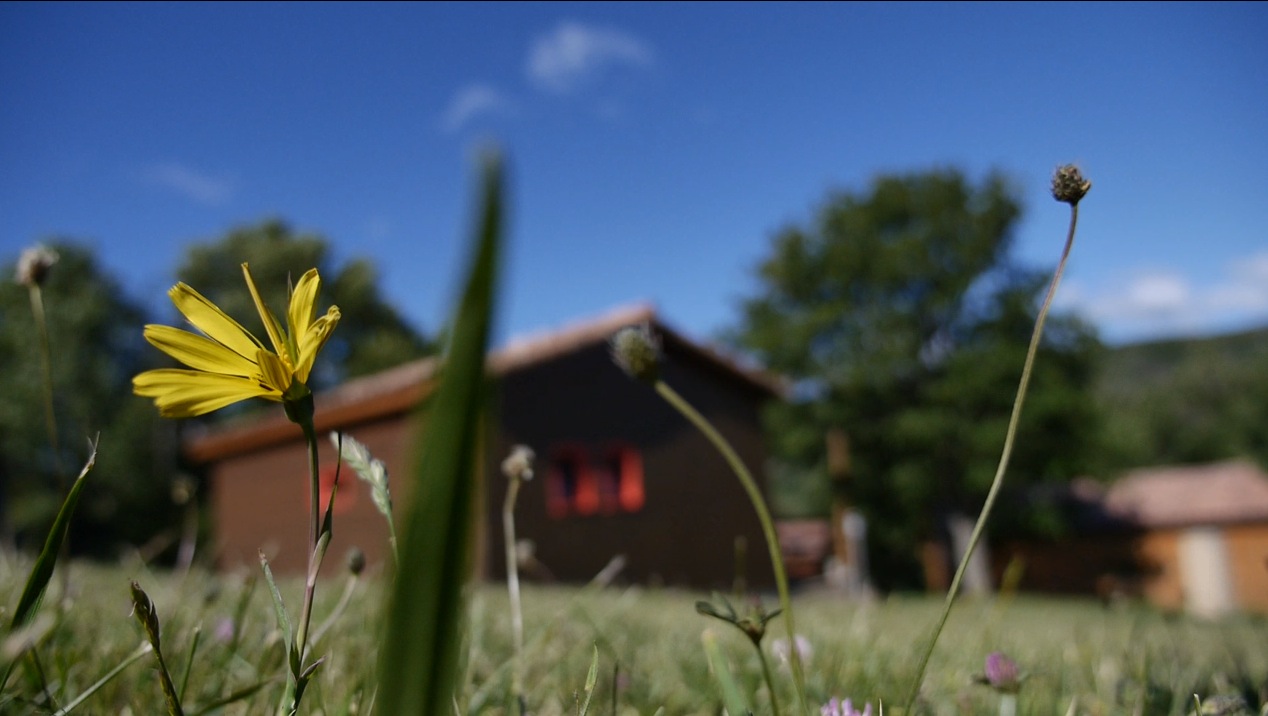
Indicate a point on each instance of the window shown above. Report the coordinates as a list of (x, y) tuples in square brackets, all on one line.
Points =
[(583, 482)]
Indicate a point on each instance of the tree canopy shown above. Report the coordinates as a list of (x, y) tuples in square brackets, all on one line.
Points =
[(371, 335), (96, 348), (903, 321), (1187, 400)]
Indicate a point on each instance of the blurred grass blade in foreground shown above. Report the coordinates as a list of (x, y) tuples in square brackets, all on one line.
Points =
[(43, 569), (418, 664)]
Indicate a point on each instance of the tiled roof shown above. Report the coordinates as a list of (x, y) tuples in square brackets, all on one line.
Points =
[(397, 389), (523, 351), (1218, 493)]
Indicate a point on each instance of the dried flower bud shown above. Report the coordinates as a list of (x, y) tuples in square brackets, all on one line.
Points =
[(34, 263), (1068, 184), (356, 561), (637, 351), (183, 489), (519, 464)]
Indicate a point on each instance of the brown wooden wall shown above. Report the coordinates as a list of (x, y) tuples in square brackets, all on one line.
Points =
[(1248, 557), (684, 534), (694, 509), (260, 500)]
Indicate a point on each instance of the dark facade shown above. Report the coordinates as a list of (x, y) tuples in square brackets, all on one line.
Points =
[(618, 472)]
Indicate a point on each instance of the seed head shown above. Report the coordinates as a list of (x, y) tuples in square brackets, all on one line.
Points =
[(1068, 184), (33, 265), (356, 561), (637, 351), (519, 464)]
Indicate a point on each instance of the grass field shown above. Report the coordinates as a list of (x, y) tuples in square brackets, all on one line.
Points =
[(1081, 657)]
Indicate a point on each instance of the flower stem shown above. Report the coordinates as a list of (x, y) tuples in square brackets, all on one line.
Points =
[(314, 558), (770, 682), (763, 515), (1004, 458), (300, 411), (46, 362), (513, 588)]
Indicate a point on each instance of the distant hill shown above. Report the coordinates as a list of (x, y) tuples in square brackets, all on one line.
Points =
[(1188, 400)]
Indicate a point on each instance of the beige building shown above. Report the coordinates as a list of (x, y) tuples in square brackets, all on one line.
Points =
[(1204, 534)]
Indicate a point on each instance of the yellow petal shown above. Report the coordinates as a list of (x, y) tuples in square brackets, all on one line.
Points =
[(270, 321), (303, 306), (198, 352), (208, 318), (313, 340), (273, 371), (189, 393)]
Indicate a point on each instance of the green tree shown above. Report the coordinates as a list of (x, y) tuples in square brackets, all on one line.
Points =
[(96, 348), (1187, 401), (903, 321), (371, 335)]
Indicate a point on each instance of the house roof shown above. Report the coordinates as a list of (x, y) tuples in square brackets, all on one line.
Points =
[(398, 389), (1218, 493)]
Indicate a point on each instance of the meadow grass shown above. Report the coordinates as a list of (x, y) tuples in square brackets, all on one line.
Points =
[(1126, 659)]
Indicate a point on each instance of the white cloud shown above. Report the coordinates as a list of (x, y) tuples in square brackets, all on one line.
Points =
[(1157, 293), (190, 183), (574, 53), (1164, 302), (471, 101)]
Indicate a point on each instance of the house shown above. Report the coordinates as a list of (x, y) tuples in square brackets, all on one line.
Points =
[(618, 471), (1203, 534), (1189, 537)]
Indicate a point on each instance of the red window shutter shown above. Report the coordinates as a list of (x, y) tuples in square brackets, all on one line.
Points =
[(587, 498), (631, 479)]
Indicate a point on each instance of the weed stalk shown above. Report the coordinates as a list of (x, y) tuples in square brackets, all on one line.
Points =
[(1068, 186)]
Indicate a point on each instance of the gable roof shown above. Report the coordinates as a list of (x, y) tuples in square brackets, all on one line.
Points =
[(399, 389), (1218, 493)]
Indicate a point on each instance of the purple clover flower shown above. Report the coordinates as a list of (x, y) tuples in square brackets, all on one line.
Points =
[(1001, 673), (837, 707)]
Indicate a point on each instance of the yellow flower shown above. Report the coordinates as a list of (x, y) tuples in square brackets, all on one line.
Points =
[(228, 363)]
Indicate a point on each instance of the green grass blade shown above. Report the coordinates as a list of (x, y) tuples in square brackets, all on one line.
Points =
[(74, 704), (189, 663), (283, 618), (419, 662), (234, 697), (33, 593), (731, 697), (591, 679)]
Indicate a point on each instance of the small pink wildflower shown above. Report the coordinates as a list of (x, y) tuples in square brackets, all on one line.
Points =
[(1001, 673), (837, 707), (779, 647)]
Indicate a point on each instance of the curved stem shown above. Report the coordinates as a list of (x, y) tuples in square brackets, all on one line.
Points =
[(1004, 457), (763, 516), (340, 607), (513, 588)]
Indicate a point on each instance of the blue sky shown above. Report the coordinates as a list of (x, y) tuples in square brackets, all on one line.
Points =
[(654, 148)]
